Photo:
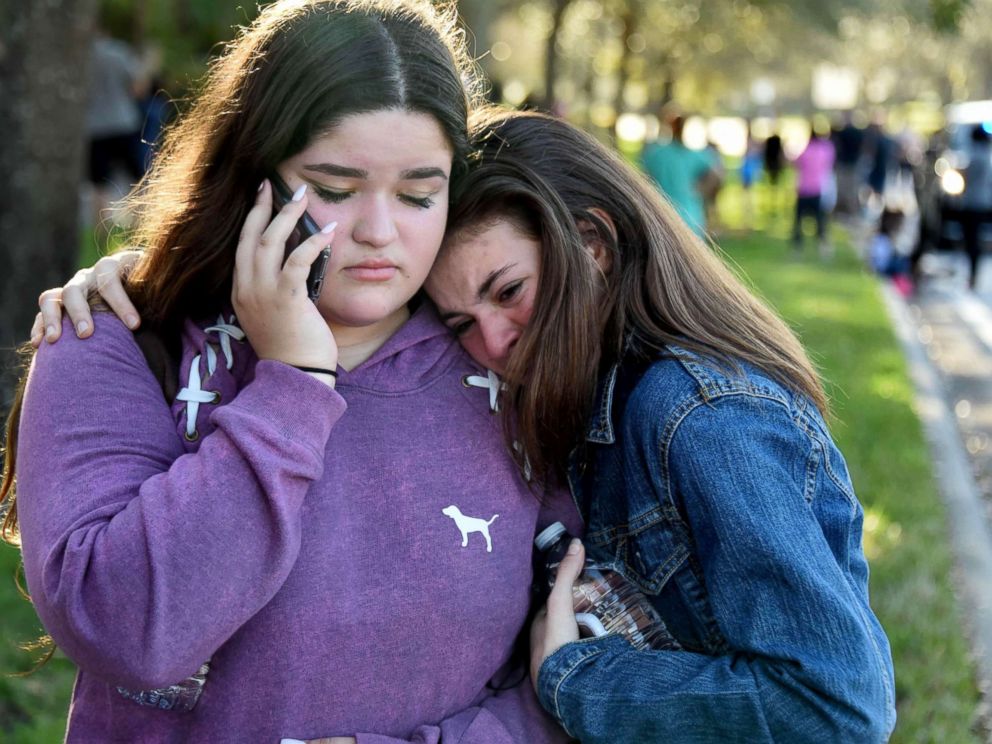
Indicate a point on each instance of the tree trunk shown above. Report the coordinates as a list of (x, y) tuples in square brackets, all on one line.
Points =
[(44, 61), (551, 59), (623, 72)]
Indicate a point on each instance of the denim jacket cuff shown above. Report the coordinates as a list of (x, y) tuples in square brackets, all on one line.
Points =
[(567, 660)]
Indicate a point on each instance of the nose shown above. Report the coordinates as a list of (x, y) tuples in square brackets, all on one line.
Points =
[(375, 226), (499, 336)]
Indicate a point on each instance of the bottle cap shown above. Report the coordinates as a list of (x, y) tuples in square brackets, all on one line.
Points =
[(549, 536)]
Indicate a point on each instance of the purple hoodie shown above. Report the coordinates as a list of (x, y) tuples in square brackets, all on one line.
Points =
[(302, 539)]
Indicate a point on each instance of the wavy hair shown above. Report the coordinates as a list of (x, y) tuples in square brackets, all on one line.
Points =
[(292, 75), (663, 284)]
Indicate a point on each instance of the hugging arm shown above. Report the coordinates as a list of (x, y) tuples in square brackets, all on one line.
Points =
[(104, 279), (807, 662)]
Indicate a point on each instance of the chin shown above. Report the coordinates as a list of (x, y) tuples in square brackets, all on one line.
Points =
[(360, 314)]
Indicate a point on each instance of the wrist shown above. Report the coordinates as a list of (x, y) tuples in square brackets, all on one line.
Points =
[(326, 375)]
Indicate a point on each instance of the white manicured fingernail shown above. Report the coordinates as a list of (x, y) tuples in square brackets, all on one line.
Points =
[(82, 326), (50, 331), (329, 227), (300, 192)]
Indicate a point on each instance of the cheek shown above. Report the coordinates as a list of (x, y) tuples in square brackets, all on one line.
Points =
[(472, 343), (423, 239), (524, 310)]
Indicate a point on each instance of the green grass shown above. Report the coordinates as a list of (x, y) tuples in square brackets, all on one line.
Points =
[(837, 311), (33, 707)]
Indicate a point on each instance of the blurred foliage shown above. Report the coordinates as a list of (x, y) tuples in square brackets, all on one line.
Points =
[(177, 37)]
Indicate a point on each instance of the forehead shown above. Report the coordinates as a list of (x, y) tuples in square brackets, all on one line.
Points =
[(390, 138), (471, 256)]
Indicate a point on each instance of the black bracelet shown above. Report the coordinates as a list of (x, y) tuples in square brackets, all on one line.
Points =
[(316, 370)]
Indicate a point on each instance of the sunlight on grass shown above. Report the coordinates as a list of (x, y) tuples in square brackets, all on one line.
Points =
[(880, 535), (836, 310)]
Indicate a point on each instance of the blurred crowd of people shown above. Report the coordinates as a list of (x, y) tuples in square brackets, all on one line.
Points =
[(865, 176)]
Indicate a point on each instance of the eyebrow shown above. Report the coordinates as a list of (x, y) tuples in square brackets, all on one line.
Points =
[(483, 290), (413, 174)]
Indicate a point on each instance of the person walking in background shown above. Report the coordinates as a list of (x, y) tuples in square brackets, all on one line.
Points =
[(774, 161), (749, 174), (976, 200), (113, 121), (814, 167), (879, 153), (848, 141), (684, 175)]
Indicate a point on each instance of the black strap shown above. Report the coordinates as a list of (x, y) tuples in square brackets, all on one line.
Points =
[(162, 360)]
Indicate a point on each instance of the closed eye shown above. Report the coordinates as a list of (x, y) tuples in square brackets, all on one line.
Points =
[(334, 197), (423, 202), (462, 327)]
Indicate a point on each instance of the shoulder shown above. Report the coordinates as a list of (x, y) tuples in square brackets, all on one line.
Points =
[(684, 389), (111, 346)]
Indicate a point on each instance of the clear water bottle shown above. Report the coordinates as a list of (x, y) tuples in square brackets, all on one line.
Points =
[(605, 602)]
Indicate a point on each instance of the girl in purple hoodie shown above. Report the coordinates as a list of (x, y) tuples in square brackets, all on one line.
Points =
[(319, 533)]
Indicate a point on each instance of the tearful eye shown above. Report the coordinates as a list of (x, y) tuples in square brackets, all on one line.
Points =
[(509, 292), (460, 329)]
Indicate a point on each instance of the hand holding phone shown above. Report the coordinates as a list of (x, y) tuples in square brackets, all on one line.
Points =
[(304, 229)]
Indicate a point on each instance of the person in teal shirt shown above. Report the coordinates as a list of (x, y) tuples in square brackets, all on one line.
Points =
[(683, 175)]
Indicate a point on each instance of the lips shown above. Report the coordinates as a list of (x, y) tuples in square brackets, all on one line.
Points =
[(372, 270)]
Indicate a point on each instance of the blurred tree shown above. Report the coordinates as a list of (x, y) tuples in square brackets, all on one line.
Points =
[(44, 59)]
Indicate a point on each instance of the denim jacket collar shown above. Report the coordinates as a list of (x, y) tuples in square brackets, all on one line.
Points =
[(601, 423)]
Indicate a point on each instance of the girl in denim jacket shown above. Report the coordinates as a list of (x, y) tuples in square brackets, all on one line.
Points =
[(688, 421)]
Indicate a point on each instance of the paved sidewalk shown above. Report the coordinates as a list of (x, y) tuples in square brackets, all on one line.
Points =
[(946, 333)]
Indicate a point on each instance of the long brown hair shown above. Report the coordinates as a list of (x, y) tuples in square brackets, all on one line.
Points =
[(663, 285), (301, 67)]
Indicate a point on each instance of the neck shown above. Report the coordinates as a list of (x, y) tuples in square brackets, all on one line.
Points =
[(356, 345)]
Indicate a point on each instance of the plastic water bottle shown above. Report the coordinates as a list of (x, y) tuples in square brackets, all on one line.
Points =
[(605, 602)]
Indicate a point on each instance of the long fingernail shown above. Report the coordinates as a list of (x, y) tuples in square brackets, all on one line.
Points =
[(573, 547), (298, 195), (131, 320), (329, 228), (82, 327)]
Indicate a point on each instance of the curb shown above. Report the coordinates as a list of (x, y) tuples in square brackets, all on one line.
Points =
[(971, 536)]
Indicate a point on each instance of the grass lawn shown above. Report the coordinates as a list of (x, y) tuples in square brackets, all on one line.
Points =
[(837, 311)]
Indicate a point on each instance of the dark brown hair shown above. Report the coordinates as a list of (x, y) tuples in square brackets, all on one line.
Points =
[(663, 284), (301, 67)]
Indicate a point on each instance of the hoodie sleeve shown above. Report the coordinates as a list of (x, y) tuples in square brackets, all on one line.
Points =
[(142, 560)]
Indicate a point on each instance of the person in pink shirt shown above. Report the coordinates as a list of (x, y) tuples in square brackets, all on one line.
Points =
[(814, 173)]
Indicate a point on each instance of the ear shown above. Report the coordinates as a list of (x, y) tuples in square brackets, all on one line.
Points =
[(596, 246)]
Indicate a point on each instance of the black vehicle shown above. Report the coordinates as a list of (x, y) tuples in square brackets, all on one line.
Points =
[(941, 180)]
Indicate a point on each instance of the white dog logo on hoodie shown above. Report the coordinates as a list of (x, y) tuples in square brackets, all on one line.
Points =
[(468, 525)]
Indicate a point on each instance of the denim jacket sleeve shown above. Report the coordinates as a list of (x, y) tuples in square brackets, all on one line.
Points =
[(806, 662)]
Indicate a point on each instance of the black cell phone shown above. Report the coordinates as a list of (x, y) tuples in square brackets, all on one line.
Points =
[(303, 230)]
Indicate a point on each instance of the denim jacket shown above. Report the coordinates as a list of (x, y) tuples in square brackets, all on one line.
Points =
[(723, 497)]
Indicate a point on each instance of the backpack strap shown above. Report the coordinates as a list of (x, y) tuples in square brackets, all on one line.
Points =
[(162, 361)]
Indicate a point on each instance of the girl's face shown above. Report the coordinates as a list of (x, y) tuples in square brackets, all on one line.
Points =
[(484, 286), (383, 177)]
